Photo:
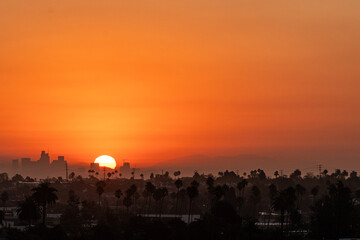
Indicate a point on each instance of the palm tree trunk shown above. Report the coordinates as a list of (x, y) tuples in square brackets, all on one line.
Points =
[(44, 213), (269, 218), (176, 205), (177, 200), (148, 210), (145, 205), (189, 210), (282, 213), (160, 207)]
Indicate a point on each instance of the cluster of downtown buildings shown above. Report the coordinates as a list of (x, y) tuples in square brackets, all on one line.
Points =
[(43, 168)]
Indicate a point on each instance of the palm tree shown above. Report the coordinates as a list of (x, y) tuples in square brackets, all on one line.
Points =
[(192, 192), (218, 191), (44, 195), (159, 195), (72, 175), (300, 191), (4, 198), (28, 210), (210, 183), (2, 217), (178, 183), (241, 187), (100, 185), (150, 189), (127, 202), (284, 202), (276, 174), (130, 196), (255, 196), (118, 194), (91, 172), (177, 173), (272, 194), (314, 192)]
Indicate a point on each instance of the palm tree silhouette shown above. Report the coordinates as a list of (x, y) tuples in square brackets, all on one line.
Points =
[(100, 185), (159, 195), (218, 191), (314, 192), (176, 174), (150, 189), (192, 192), (130, 196), (4, 198), (255, 197), (44, 195), (118, 194), (127, 202), (300, 191), (28, 210), (241, 186), (210, 183), (284, 202), (2, 217), (72, 175), (272, 194), (178, 183)]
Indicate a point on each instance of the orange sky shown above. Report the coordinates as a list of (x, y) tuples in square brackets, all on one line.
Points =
[(151, 80)]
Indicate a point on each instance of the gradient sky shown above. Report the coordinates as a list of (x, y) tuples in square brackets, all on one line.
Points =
[(154, 80)]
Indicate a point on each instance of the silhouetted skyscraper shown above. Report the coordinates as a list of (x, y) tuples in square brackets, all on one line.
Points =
[(44, 160), (58, 167), (15, 167), (25, 163)]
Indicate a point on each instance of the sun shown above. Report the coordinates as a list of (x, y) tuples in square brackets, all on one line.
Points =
[(106, 161)]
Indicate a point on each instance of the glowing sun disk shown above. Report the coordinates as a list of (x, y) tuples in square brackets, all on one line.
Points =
[(106, 161)]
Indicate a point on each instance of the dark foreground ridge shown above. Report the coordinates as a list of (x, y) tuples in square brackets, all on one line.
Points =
[(227, 206)]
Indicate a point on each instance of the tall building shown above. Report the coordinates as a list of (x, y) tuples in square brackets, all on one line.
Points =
[(15, 167), (58, 167), (126, 171), (25, 163), (42, 167), (44, 160)]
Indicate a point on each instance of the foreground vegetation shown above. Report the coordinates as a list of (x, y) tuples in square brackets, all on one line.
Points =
[(250, 206)]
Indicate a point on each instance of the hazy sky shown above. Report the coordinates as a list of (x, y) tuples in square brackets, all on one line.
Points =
[(151, 80)]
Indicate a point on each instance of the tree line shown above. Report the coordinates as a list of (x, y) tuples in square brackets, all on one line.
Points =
[(230, 206)]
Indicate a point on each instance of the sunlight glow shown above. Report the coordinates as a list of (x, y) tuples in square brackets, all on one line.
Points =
[(106, 161)]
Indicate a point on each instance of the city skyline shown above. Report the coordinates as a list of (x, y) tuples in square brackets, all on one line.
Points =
[(45, 168)]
